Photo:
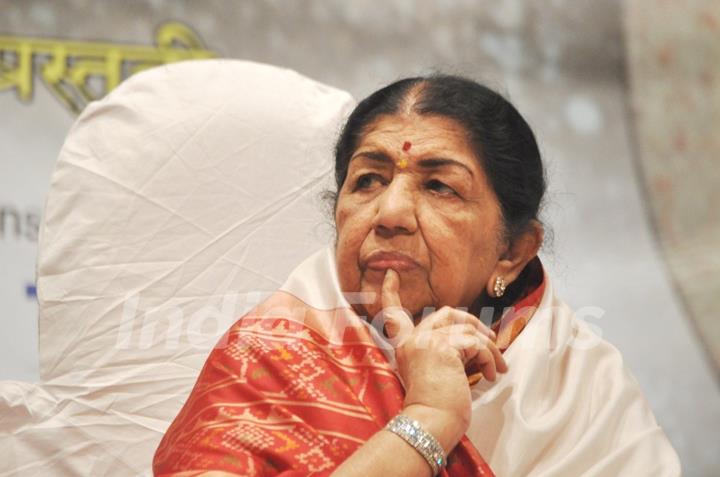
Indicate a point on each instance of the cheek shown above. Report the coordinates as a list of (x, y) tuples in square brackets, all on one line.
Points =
[(351, 227), (449, 237), (351, 232), (462, 251)]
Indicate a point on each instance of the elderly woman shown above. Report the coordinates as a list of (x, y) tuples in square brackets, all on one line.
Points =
[(374, 358)]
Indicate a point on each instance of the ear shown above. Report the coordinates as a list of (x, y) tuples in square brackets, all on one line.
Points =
[(518, 253)]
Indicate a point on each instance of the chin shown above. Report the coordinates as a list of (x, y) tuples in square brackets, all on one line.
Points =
[(371, 310)]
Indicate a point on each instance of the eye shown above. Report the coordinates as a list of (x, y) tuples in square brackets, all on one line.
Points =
[(366, 181), (440, 187)]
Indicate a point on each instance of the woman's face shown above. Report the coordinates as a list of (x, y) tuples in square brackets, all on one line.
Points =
[(416, 200)]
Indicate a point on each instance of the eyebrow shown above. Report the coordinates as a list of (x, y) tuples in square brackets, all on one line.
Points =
[(428, 163)]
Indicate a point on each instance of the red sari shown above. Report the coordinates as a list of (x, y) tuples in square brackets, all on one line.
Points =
[(291, 390)]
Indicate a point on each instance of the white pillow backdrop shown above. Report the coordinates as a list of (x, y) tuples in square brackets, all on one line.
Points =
[(177, 202)]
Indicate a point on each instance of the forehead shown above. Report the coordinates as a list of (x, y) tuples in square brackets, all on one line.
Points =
[(424, 133)]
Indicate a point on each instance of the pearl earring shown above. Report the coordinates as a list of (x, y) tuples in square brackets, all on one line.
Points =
[(499, 287)]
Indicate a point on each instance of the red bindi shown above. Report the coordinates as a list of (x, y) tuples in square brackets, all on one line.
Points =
[(406, 146)]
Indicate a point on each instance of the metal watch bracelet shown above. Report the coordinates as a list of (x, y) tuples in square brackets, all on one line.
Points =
[(422, 441)]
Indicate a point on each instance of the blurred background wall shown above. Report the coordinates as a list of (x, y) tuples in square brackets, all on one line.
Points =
[(624, 97)]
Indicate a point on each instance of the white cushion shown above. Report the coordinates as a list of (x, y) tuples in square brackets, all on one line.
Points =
[(177, 202)]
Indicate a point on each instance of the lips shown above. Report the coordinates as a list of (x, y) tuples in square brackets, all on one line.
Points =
[(382, 260)]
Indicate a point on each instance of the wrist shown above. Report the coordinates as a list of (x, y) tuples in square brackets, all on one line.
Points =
[(443, 425), (413, 432)]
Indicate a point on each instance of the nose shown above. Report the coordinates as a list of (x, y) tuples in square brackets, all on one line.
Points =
[(396, 210)]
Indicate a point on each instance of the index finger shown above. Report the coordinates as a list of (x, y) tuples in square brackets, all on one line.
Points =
[(397, 321)]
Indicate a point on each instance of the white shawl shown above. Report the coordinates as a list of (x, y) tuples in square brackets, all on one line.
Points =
[(568, 405)]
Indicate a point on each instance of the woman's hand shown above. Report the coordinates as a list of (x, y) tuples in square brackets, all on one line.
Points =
[(432, 358)]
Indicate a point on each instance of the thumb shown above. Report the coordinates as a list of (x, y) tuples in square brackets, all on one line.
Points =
[(398, 322)]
